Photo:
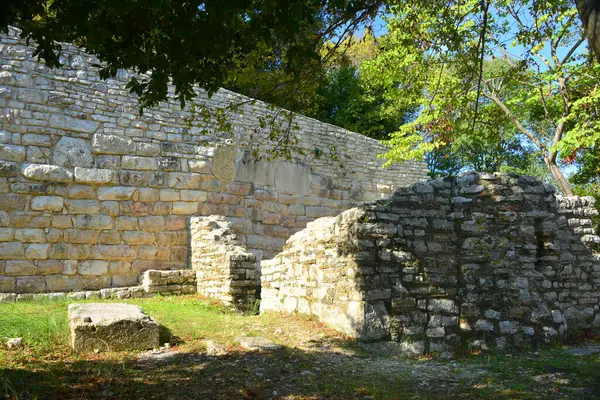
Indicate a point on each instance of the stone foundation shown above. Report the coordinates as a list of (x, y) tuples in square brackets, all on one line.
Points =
[(482, 260)]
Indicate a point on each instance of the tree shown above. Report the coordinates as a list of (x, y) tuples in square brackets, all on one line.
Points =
[(548, 90), (589, 13), (194, 42)]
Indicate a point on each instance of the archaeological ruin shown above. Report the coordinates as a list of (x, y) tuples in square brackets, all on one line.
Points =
[(97, 200)]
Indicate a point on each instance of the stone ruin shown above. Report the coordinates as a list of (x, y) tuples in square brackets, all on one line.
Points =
[(93, 194), (97, 201), (479, 261)]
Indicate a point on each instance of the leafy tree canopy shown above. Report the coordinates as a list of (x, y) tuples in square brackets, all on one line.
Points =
[(192, 42), (539, 83)]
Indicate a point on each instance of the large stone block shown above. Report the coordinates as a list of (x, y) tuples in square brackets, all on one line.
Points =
[(47, 172), (60, 121), (94, 176), (72, 152), (112, 144), (111, 327), (47, 203)]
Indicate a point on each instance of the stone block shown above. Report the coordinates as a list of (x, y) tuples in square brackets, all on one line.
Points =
[(116, 193), (185, 208), (72, 152), (11, 250), (61, 121), (31, 284), (94, 176), (83, 206), (37, 251), (139, 163), (111, 327), (47, 203), (47, 172), (152, 224), (10, 152)]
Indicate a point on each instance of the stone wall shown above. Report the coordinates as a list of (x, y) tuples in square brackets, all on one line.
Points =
[(480, 260), (224, 269), (92, 194)]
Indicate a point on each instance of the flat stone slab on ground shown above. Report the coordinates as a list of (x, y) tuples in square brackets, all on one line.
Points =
[(111, 327), (257, 343)]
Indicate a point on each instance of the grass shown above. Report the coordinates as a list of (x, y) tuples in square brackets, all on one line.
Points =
[(314, 363)]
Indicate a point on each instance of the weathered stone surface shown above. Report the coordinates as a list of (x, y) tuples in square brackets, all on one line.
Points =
[(72, 152), (47, 203), (438, 277), (47, 172), (112, 144), (67, 123), (94, 175), (111, 327)]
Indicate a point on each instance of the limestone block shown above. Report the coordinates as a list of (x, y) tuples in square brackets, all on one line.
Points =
[(113, 252), (7, 234), (126, 223), (47, 172), (30, 235), (12, 202), (93, 267), (116, 193), (185, 208), (72, 152), (111, 327), (250, 170), (37, 251), (11, 250), (11, 152), (61, 121), (94, 176), (32, 139), (94, 222), (30, 284), (152, 224), (184, 180), (49, 267), (83, 206), (81, 236), (137, 237), (112, 144), (140, 163), (47, 203), (147, 194), (20, 267)]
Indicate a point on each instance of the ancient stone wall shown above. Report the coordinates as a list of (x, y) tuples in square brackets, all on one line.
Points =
[(224, 269), (92, 194), (480, 260)]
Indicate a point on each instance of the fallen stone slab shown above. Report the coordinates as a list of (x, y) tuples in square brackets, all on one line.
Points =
[(257, 343), (111, 327)]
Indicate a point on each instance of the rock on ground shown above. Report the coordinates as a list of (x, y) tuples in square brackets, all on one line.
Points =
[(111, 327)]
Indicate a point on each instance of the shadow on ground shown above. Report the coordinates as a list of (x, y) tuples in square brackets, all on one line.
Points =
[(286, 373)]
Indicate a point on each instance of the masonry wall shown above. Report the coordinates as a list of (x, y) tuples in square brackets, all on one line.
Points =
[(482, 260), (224, 269), (92, 194)]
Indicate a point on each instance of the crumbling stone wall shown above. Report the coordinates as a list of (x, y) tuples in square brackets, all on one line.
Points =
[(92, 193), (480, 260), (224, 269)]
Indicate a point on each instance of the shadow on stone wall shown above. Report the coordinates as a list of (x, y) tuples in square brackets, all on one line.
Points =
[(481, 260)]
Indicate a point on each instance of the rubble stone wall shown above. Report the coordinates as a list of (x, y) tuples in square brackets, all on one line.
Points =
[(482, 260), (92, 193)]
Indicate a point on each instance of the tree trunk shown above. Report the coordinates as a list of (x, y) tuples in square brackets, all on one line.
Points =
[(563, 183), (589, 13)]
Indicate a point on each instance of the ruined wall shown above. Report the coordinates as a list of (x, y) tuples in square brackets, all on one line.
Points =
[(480, 260), (92, 194), (224, 269)]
